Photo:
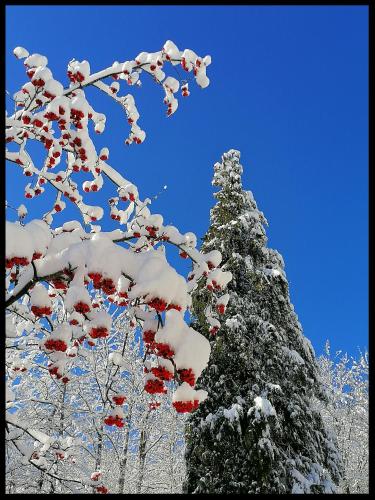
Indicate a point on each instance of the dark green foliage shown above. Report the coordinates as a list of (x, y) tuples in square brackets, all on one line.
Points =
[(257, 432)]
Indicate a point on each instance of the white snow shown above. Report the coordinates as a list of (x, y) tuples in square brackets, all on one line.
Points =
[(262, 406), (20, 52), (232, 323), (291, 353), (39, 296), (22, 211), (76, 294), (234, 413), (185, 392), (98, 318), (18, 241), (116, 358), (193, 352)]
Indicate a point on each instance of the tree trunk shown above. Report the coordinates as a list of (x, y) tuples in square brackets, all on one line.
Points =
[(55, 487), (142, 455), (142, 458), (98, 460), (171, 455), (121, 481)]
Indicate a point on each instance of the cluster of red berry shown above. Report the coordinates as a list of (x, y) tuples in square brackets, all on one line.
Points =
[(76, 114), (162, 373), (163, 350), (158, 304), (155, 387), (99, 332), (50, 115), (59, 284), (76, 77), (37, 82), (213, 286), (185, 406), (152, 231), (54, 371), (20, 261), (114, 420), (55, 345), (82, 307), (148, 336), (187, 375), (40, 311), (174, 306), (119, 400), (101, 489), (106, 284), (124, 197)]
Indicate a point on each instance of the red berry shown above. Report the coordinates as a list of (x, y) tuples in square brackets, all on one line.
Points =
[(185, 406), (187, 375), (37, 122), (148, 336), (155, 387), (162, 373), (158, 304), (119, 400), (164, 350), (174, 306), (82, 308), (220, 308), (41, 311), (99, 332)]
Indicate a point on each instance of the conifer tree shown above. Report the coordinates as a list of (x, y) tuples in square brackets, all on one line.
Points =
[(258, 431)]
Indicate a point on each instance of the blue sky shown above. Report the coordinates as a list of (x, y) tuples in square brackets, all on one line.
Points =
[(289, 89)]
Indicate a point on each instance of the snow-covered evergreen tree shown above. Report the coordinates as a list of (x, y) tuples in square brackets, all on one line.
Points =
[(257, 432)]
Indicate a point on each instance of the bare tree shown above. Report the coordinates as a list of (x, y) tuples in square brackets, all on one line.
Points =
[(346, 413)]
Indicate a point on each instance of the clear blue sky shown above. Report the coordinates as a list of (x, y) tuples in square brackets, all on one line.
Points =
[(289, 89)]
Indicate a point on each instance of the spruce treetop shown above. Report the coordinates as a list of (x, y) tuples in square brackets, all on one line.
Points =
[(235, 219)]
